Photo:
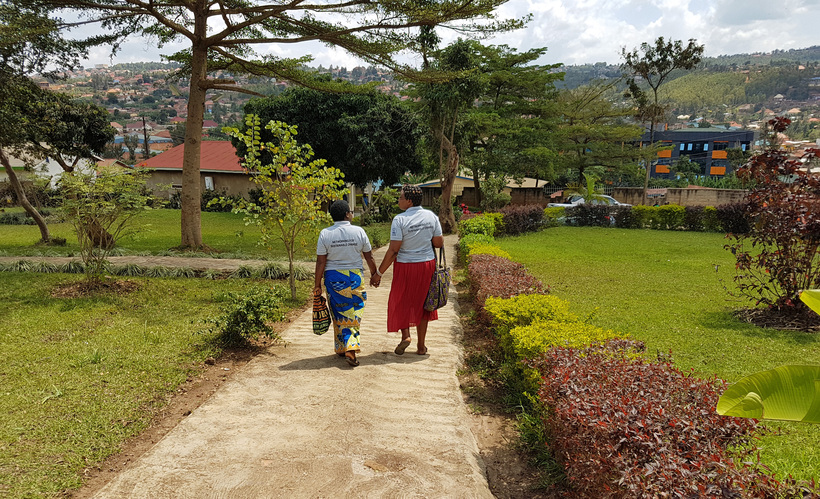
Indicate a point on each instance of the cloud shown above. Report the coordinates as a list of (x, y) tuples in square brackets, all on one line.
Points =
[(589, 31)]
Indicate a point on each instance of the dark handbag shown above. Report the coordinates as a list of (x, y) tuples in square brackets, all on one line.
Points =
[(321, 315), (439, 284)]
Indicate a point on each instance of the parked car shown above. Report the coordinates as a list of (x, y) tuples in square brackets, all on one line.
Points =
[(577, 200)]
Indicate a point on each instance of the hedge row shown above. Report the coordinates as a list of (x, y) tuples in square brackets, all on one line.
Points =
[(514, 220), (724, 218), (621, 425), (626, 427)]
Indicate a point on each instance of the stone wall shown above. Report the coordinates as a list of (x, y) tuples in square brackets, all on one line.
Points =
[(682, 197)]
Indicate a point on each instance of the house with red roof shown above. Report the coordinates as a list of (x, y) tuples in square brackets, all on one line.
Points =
[(219, 169)]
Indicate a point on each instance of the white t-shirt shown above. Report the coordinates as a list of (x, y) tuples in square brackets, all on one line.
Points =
[(343, 243), (415, 228)]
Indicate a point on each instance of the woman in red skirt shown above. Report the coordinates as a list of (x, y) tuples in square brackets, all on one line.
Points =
[(413, 234)]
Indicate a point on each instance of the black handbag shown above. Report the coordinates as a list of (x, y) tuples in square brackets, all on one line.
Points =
[(439, 284)]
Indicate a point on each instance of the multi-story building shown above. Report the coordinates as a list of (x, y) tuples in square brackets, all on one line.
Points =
[(705, 146)]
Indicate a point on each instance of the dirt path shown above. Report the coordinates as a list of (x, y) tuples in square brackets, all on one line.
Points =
[(297, 421)]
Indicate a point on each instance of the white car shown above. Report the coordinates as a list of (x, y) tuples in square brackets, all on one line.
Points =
[(578, 200)]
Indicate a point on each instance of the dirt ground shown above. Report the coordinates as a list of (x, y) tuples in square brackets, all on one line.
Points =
[(210, 377), (507, 467)]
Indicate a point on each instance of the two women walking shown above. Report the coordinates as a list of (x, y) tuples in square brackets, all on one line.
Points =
[(413, 235)]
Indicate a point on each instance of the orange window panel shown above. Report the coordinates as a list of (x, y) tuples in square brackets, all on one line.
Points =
[(719, 155), (717, 170), (665, 154), (661, 168)]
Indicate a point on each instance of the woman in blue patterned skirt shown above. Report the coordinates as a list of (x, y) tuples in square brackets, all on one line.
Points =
[(339, 261)]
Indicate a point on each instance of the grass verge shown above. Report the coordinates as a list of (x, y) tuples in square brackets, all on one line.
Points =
[(82, 375), (667, 289), (159, 230)]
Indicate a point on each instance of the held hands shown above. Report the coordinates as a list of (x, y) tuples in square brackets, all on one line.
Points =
[(375, 280)]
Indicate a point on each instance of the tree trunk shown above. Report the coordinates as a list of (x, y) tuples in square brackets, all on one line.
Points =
[(448, 178), (145, 149), (191, 197), (649, 164), (477, 187), (45, 236)]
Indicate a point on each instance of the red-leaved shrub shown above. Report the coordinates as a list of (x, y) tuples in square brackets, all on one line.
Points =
[(522, 218), (626, 427), (492, 275)]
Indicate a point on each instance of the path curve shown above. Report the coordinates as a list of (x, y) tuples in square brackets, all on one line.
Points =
[(298, 422)]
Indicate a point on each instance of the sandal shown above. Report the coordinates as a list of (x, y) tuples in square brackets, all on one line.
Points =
[(402, 347), (421, 351), (351, 359)]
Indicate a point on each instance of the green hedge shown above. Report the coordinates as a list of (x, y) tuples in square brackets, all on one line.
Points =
[(725, 218)]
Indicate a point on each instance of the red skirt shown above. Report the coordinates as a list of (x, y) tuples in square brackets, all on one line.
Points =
[(405, 307)]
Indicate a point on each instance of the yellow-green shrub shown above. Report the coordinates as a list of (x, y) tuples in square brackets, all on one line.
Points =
[(554, 217), (538, 337), (477, 225), (486, 249), (498, 221), (522, 310)]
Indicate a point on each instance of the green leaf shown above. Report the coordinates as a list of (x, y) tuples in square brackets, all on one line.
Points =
[(788, 393), (811, 297)]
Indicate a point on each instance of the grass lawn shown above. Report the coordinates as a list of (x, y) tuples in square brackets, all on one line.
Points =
[(81, 375), (160, 230), (666, 289)]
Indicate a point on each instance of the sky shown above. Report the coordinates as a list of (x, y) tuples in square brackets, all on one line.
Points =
[(590, 31)]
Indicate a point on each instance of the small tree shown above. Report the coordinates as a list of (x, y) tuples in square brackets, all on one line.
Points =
[(294, 188), (587, 190), (779, 256), (687, 169), (102, 206), (651, 67), (131, 142)]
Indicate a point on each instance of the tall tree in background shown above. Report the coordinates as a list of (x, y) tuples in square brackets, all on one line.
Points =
[(444, 102), (222, 37), (651, 66), (508, 132), (593, 130), (368, 136)]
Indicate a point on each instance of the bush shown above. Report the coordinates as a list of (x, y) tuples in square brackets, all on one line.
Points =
[(245, 317), (476, 225), (733, 218), (465, 242), (625, 427), (693, 218), (486, 249), (538, 338), (216, 202), (522, 310), (498, 221), (669, 217), (521, 219), (711, 222), (642, 215), (554, 217), (491, 275), (626, 217), (593, 215)]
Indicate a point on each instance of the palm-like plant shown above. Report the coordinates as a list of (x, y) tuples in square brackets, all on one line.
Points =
[(589, 191)]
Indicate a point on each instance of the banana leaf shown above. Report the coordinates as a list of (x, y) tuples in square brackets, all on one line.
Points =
[(788, 393), (811, 297)]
